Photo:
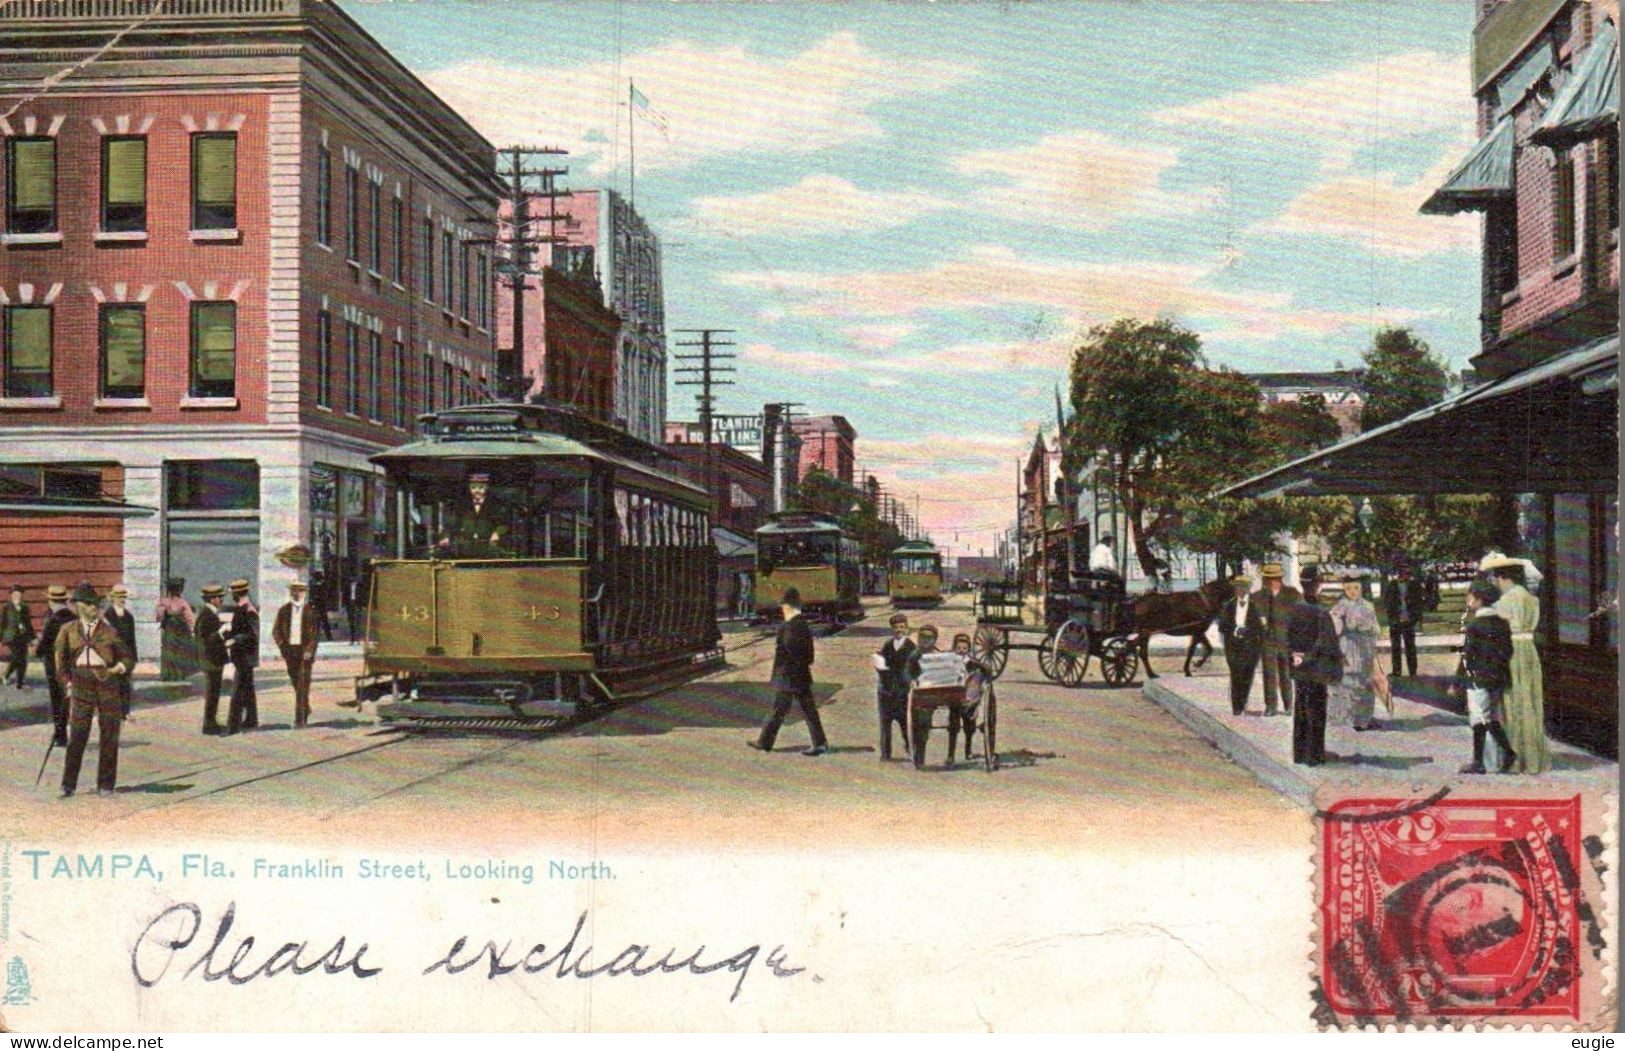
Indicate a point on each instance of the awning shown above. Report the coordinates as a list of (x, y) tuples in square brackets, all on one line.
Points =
[(1550, 428), (1484, 176), (36, 505), (731, 545), (1588, 104), (1518, 81)]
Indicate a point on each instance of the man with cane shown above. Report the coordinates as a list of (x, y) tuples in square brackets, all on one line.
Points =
[(92, 658)]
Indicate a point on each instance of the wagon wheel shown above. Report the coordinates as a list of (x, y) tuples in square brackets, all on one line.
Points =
[(1069, 653), (990, 725), (1046, 661), (1118, 661), (992, 649)]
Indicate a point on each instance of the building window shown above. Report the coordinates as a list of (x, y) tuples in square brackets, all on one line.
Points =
[(1610, 178), (482, 277), (28, 352), (375, 367), (400, 384), (324, 196), (1501, 244), (324, 359), (428, 383), (462, 295), (465, 386), (447, 261), (31, 185), (375, 198), (428, 259), (1563, 217), (399, 241), (352, 201), (124, 184), (124, 350), (214, 350), (352, 365), (214, 181), (448, 384), (212, 485)]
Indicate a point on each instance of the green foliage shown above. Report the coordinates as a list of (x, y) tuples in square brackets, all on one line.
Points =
[(1290, 429), (821, 491), (1445, 529), (1402, 375), (858, 511)]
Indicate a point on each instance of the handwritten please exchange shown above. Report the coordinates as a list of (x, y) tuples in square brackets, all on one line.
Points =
[(174, 946)]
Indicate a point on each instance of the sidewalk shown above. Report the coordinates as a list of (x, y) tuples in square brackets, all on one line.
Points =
[(1419, 745)]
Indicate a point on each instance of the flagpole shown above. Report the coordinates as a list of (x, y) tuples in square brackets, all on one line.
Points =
[(632, 142)]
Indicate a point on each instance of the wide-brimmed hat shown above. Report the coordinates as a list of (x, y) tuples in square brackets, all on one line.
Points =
[(295, 556), (1495, 560), (213, 591), (239, 586), (1271, 571), (118, 591), (56, 593), (86, 592)]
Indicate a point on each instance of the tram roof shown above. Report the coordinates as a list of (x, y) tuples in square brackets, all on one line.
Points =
[(915, 547), (799, 522)]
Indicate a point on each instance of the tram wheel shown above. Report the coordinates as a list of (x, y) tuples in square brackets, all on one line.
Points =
[(992, 649), (1118, 661)]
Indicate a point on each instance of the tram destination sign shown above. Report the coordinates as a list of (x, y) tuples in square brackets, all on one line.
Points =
[(473, 429)]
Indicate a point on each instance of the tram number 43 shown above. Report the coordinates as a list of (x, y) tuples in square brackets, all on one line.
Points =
[(547, 611)]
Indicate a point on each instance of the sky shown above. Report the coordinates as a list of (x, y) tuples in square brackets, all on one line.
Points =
[(910, 212)]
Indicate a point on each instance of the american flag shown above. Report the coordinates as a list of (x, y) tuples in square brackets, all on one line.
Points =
[(640, 105)]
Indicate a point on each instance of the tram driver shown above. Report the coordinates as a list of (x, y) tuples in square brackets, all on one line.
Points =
[(478, 528)]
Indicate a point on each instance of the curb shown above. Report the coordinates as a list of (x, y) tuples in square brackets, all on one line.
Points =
[(1238, 747)]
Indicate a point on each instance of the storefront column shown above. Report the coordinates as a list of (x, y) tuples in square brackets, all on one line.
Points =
[(143, 552), (283, 523)]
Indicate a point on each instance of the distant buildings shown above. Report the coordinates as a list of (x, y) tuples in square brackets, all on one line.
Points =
[(828, 443), (1341, 389)]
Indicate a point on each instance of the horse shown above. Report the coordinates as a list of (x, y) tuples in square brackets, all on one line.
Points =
[(1179, 613)]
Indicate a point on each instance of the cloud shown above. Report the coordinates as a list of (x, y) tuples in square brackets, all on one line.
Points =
[(989, 277), (1380, 212), (1347, 109), (809, 362), (879, 335), (818, 204), (718, 101), (1082, 179)]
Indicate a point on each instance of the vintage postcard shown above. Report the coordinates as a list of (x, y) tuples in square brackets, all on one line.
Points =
[(549, 515)]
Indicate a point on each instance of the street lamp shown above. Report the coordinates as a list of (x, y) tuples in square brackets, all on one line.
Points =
[(1366, 515)]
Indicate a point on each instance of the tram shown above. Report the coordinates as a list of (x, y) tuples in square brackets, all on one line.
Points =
[(548, 564), (809, 552), (915, 575)]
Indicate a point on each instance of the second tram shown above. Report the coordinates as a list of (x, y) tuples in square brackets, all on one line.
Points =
[(915, 575), (810, 552)]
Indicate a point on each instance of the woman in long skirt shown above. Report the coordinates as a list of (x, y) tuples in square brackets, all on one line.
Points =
[(1524, 704), (1356, 622), (177, 652)]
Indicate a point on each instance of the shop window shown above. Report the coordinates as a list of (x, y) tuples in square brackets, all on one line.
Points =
[(212, 485), (28, 352), (1571, 541), (71, 483), (214, 350), (124, 184), (214, 181), (123, 350), (30, 185)]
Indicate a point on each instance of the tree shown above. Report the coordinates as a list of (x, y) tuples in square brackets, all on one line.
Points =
[(1402, 375), (824, 493), (1290, 429), (1162, 425)]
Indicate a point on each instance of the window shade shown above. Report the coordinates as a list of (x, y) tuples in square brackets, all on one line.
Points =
[(124, 334), (33, 175), (30, 338), (215, 158), (215, 330), (127, 171)]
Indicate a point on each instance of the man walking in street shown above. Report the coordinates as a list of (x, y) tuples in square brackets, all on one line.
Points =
[(118, 614), (1241, 626), (211, 652), (56, 618), (243, 641), (90, 652), (1275, 604), (1402, 602), (1317, 663), (16, 632), (792, 678), (294, 633)]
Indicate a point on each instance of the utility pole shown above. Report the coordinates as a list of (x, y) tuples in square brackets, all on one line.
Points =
[(779, 441), (705, 367), (525, 183)]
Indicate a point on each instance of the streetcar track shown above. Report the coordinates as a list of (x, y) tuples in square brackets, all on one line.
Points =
[(456, 767)]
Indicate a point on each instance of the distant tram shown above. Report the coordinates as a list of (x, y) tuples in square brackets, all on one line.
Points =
[(550, 563), (808, 551), (915, 575)]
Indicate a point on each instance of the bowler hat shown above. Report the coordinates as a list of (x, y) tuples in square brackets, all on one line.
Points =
[(16, 588), (792, 597), (213, 591), (239, 586), (898, 618), (1309, 574), (86, 592), (1271, 571), (56, 593)]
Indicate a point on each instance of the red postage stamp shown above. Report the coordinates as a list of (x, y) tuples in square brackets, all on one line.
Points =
[(1449, 910)]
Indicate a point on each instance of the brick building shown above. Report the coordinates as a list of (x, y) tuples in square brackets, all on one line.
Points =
[(602, 234), (741, 485), (235, 262), (571, 337), (828, 443)]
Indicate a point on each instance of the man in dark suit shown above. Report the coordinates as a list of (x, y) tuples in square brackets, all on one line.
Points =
[(1317, 662), (1403, 602), (243, 641), (212, 654), (1241, 626), (119, 615), (892, 690), (56, 619), (792, 678), (1275, 604), (294, 633), (16, 632), (91, 654)]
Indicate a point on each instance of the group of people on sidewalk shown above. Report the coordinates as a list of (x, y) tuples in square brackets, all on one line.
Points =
[(1316, 657), (88, 652)]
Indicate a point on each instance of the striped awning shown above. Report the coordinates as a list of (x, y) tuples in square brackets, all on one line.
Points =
[(1485, 175), (1588, 105)]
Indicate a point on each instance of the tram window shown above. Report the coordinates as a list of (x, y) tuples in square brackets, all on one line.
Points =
[(797, 551), (917, 564)]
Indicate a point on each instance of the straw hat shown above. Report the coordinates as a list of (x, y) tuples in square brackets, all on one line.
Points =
[(213, 591), (1271, 571), (118, 591), (239, 586), (56, 593)]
